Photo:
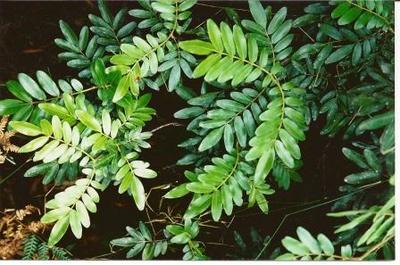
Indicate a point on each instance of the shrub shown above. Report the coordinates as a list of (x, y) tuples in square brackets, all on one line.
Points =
[(265, 79)]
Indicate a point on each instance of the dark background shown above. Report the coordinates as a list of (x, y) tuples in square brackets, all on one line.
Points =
[(27, 31)]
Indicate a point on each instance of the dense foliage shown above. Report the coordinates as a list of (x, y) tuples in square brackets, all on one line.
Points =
[(265, 79)]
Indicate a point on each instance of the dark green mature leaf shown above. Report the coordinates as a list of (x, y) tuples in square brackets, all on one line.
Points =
[(11, 106), (355, 157), (376, 122), (339, 54), (18, 91), (340, 9), (349, 16)]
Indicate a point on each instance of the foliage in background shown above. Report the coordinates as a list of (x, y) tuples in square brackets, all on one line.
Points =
[(36, 249), (264, 80)]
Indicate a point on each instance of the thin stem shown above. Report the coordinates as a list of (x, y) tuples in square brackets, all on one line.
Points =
[(221, 7), (305, 33), (15, 171), (175, 124)]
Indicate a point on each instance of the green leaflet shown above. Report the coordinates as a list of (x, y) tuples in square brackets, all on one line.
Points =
[(277, 20), (197, 47), (258, 12), (375, 122), (122, 88), (310, 248), (177, 192), (34, 144), (25, 128), (307, 239), (31, 87), (211, 139), (58, 231), (88, 120), (339, 54), (10, 106)]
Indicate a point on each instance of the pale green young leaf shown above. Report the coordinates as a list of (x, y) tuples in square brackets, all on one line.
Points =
[(34, 144), (58, 231), (25, 128), (197, 47), (88, 120)]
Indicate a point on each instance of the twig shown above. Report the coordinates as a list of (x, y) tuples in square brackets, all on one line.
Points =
[(305, 32), (45, 198), (219, 244), (15, 171), (166, 125), (151, 223), (108, 253), (222, 7)]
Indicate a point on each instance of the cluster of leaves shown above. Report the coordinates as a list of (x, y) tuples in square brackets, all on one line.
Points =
[(220, 186), (143, 241), (380, 218), (364, 66), (95, 143), (364, 14), (310, 248), (164, 15), (108, 32), (260, 92), (36, 249), (267, 121), (356, 37), (32, 97)]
